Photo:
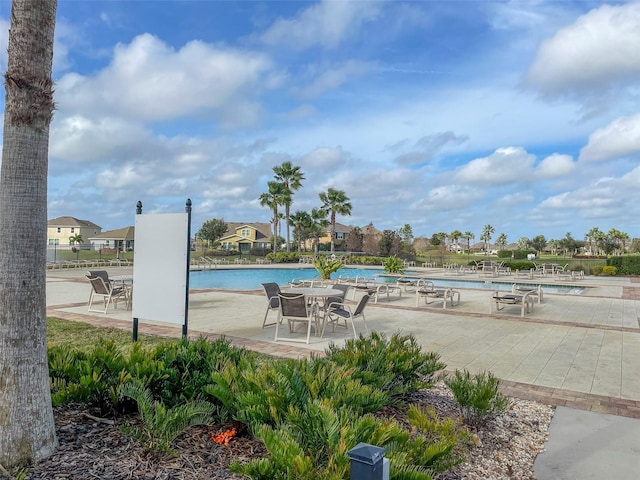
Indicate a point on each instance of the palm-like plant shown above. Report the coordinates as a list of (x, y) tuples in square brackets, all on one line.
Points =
[(77, 238), (469, 235), (319, 224), (276, 196), (487, 231), (335, 202), (301, 222), (291, 177)]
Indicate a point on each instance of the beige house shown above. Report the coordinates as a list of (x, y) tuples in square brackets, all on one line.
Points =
[(61, 229), (245, 236), (120, 239)]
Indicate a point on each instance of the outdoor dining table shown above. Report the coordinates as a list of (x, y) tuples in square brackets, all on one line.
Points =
[(313, 294), (126, 282)]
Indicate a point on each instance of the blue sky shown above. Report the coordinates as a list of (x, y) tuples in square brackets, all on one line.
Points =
[(442, 115)]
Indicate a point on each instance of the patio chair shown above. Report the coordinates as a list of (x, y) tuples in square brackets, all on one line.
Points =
[(427, 289), (108, 293), (535, 292), (295, 309), (344, 288), (525, 302), (377, 291), (271, 290), (338, 312)]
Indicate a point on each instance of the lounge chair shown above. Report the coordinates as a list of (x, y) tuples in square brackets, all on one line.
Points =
[(338, 312), (295, 309), (501, 300), (536, 292), (427, 289), (108, 293), (271, 290), (376, 291)]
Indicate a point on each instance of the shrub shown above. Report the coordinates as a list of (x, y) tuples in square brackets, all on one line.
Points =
[(478, 398), (274, 392), (393, 265), (161, 425), (625, 264), (522, 254), (283, 257), (521, 265), (505, 253), (396, 365), (608, 270), (326, 266)]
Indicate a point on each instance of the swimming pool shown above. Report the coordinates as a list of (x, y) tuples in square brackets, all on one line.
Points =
[(251, 279)]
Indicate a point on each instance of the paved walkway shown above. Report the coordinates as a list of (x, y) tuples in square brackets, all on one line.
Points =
[(580, 351)]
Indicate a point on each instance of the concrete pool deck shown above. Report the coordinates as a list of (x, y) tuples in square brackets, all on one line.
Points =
[(580, 351)]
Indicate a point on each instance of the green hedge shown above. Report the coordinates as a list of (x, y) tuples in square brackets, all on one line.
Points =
[(625, 264)]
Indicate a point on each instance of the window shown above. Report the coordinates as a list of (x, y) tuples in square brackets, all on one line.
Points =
[(340, 235), (54, 241), (58, 229), (73, 230), (246, 232)]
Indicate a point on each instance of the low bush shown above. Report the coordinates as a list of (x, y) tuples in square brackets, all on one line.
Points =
[(161, 425), (625, 264), (521, 265), (609, 270), (283, 257), (363, 260), (396, 366), (393, 265), (478, 398)]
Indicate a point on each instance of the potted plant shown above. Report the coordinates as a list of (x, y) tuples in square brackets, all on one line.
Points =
[(326, 266), (393, 265)]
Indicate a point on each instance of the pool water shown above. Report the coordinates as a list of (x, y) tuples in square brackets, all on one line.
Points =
[(252, 279)]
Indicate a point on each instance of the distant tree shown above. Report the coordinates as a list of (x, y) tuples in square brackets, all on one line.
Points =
[(302, 223), (593, 236), (524, 243), (291, 177), (487, 231), (335, 202), (421, 244), (619, 239), (635, 245), (319, 224), (76, 239), (554, 245), (501, 241), (406, 233), (355, 239), (277, 195), (390, 243), (438, 239), (27, 428), (468, 235), (569, 244), (212, 230), (455, 236), (538, 243)]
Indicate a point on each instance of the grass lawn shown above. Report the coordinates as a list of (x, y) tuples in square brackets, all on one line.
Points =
[(84, 336)]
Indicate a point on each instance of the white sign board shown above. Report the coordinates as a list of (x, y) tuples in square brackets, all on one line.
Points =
[(160, 267)]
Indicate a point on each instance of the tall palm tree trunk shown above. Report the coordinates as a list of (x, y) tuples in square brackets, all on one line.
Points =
[(27, 431)]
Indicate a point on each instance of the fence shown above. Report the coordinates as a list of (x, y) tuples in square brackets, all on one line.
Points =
[(83, 254)]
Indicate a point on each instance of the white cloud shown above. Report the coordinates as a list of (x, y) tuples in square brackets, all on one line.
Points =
[(505, 165), (326, 24), (149, 80), (556, 165), (332, 78), (599, 49), (621, 138)]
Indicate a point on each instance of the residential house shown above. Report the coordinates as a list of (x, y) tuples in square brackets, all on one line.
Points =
[(121, 239), (61, 229), (246, 236)]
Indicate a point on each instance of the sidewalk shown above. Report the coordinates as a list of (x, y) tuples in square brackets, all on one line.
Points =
[(578, 353)]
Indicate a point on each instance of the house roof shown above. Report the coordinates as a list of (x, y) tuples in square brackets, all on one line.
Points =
[(126, 233), (263, 230), (71, 222)]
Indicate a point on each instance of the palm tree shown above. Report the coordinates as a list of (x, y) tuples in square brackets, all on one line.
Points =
[(335, 202), (27, 430), (455, 236), (501, 241), (291, 177), (319, 224), (77, 238), (469, 235), (276, 196), (487, 231), (592, 236), (300, 221)]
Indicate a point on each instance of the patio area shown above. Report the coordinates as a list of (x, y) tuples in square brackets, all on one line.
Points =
[(581, 351)]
